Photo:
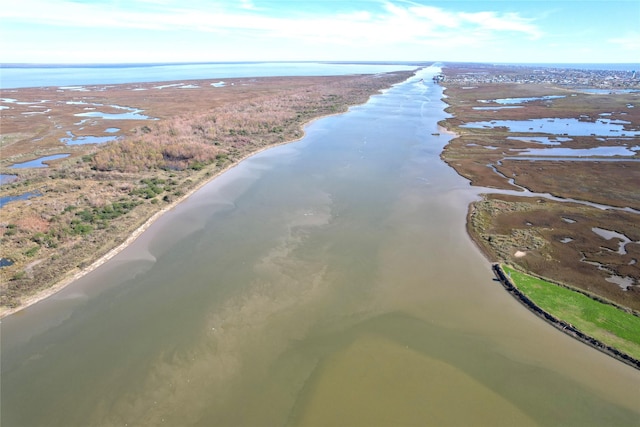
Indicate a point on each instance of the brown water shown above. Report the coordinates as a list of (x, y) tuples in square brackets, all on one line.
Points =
[(326, 282)]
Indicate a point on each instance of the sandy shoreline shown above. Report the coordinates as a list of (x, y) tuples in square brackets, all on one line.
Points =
[(76, 274)]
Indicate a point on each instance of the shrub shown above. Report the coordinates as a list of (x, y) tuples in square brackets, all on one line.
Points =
[(81, 229), (19, 275), (32, 251)]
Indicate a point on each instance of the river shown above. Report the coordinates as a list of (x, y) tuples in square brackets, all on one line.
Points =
[(325, 282)]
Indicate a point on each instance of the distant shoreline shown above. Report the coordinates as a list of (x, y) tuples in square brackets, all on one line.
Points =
[(156, 64), (76, 274), (23, 76)]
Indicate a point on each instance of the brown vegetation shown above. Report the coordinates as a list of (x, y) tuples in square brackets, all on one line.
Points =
[(93, 200), (550, 238)]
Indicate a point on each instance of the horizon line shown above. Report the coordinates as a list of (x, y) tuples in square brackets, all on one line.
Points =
[(380, 61)]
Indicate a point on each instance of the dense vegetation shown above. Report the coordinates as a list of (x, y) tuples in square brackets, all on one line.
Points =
[(92, 201)]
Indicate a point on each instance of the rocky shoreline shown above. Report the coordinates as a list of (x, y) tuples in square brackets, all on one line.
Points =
[(561, 325)]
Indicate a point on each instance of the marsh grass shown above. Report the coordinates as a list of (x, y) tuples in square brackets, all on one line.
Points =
[(503, 225)]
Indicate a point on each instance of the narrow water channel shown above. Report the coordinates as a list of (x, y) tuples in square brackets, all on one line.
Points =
[(325, 282)]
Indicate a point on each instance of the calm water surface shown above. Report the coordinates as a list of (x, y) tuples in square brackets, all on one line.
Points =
[(568, 127), (325, 282), (36, 76), (39, 162)]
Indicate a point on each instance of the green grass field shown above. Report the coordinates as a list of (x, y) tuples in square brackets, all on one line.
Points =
[(603, 322)]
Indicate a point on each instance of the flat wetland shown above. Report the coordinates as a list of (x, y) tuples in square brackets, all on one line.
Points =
[(546, 209), (165, 140)]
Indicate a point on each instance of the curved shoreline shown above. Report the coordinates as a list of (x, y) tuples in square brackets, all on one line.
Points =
[(76, 274), (561, 325)]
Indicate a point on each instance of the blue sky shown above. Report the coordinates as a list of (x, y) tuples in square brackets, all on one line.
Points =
[(138, 31)]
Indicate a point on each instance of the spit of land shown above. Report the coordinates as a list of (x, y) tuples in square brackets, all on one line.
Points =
[(102, 161)]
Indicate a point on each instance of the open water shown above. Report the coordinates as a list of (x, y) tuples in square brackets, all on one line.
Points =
[(12, 77), (326, 282)]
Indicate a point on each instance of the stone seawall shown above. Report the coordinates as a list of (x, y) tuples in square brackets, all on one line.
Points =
[(560, 324)]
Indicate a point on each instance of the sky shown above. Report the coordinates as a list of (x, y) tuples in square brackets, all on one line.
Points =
[(151, 31)]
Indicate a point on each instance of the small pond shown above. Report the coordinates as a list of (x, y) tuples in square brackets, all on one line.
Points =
[(8, 199), (496, 108), (5, 262), (39, 162), (608, 91), (129, 114), (545, 140), (556, 126), (132, 115), (81, 140), (578, 152), (608, 235), (507, 101), (624, 282), (7, 179), (168, 85), (544, 158)]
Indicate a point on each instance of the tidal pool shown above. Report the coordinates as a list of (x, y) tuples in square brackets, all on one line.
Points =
[(24, 196), (607, 91), (545, 140), (7, 178), (555, 126), (509, 101), (608, 235), (89, 139), (325, 282), (595, 151), (130, 114), (39, 162), (496, 108)]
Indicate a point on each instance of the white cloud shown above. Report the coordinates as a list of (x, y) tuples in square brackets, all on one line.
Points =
[(395, 25), (248, 5), (510, 22), (404, 21), (630, 42)]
